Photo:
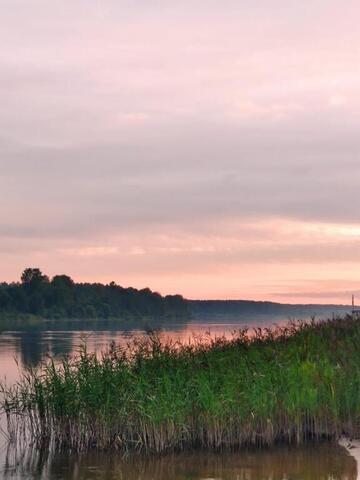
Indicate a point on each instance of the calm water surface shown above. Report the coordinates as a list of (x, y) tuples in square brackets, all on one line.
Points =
[(29, 348), (320, 462)]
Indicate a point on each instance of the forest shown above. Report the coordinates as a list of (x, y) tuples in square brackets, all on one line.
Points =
[(60, 297)]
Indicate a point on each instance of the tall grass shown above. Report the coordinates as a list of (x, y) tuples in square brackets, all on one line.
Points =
[(290, 384)]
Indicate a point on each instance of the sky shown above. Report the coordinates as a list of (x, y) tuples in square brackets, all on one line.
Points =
[(202, 147)]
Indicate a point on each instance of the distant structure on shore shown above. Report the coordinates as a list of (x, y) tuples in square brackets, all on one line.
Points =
[(354, 311)]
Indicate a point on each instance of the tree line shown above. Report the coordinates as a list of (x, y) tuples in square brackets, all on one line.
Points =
[(61, 297)]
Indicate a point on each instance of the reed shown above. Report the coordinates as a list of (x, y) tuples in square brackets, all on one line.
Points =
[(288, 384)]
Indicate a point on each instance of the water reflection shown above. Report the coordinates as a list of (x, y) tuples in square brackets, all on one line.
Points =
[(320, 462), (31, 347), (317, 462)]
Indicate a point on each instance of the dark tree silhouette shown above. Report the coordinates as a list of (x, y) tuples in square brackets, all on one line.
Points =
[(63, 298), (33, 276)]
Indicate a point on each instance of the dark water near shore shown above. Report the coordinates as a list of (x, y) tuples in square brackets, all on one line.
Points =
[(29, 348), (320, 462)]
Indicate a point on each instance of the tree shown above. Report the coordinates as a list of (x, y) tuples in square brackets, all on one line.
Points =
[(62, 281), (5, 299), (62, 293), (62, 297), (33, 276)]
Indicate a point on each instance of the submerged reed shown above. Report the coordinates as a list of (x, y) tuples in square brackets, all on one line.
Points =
[(291, 383)]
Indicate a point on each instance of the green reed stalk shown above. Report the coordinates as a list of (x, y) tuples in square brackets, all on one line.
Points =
[(290, 384)]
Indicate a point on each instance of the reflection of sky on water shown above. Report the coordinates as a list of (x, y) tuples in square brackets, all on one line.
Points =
[(31, 347)]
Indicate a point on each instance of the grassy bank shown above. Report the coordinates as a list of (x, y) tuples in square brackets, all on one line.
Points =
[(289, 384)]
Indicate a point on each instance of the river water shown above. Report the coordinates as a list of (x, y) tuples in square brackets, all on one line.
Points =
[(21, 349)]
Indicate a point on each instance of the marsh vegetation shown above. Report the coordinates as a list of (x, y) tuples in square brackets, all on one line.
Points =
[(289, 384)]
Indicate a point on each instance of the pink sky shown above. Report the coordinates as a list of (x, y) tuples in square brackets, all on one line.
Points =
[(198, 147)]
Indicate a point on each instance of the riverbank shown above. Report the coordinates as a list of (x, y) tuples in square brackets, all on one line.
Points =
[(19, 321), (26, 322), (291, 384)]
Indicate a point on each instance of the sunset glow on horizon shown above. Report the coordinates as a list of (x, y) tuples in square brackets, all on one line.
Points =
[(205, 148)]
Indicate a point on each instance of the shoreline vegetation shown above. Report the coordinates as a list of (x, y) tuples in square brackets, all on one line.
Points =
[(36, 299), (290, 384), (40, 302)]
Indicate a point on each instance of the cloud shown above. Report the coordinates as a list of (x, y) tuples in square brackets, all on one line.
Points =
[(135, 121)]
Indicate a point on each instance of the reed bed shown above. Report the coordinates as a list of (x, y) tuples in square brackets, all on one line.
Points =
[(291, 384)]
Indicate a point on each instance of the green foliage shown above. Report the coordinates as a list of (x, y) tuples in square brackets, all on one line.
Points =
[(291, 383), (63, 298)]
